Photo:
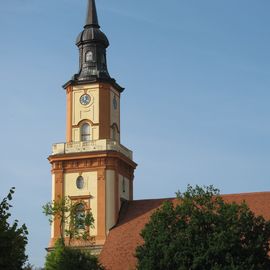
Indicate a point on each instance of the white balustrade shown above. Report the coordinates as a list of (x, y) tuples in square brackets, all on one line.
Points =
[(90, 146)]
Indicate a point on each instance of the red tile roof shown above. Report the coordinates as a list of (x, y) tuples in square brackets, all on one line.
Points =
[(119, 248)]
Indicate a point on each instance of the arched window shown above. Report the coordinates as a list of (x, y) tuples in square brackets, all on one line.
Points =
[(89, 56), (114, 102), (85, 132), (80, 216)]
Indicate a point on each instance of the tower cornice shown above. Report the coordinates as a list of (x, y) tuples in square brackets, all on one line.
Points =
[(103, 159), (110, 81)]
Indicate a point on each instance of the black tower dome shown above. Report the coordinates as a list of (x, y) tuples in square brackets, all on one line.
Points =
[(92, 43)]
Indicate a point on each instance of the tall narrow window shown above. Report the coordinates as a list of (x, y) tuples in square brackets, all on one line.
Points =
[(79, 216), (89, 56), (114, 133), (85, 132), (124, 185)]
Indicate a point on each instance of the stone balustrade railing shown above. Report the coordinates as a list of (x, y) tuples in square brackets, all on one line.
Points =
[(90, 146)]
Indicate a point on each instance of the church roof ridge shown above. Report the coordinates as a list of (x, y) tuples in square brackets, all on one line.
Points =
[(153, 199), (222, 195), (246, 193)]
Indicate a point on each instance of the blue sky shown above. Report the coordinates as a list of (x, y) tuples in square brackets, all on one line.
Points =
[(195, 109)]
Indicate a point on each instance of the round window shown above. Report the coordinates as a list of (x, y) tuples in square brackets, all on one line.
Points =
[(80, 182)]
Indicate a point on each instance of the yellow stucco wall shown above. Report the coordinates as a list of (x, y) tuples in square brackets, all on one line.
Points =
[(90, 188), (92, 112), (88, 112), (75, 134), (125, 195), (110, 199)]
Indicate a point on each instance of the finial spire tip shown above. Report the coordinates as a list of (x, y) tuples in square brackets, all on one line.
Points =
[(92, 18)]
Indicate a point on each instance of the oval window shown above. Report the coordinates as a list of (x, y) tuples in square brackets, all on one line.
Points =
[(80, 182)]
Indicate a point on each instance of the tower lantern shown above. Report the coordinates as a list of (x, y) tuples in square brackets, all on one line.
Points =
[(92, 166), (92, 43)]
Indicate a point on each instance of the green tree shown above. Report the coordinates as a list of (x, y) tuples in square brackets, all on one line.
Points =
[(66, 258), (13, 239), (75, 222), (202, 232), (72, 224)]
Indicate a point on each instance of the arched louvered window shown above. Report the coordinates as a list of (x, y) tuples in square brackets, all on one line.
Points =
[(85, 132), (89, 56)]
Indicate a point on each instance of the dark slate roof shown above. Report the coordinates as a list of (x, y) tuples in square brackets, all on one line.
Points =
[(119, 248), (91, 32)]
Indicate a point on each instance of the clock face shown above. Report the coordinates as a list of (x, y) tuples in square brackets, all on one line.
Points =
[(85, 99)]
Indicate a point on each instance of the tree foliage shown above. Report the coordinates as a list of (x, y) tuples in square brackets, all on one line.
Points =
[(71, 225), (66, 258), (202, 232), (13, 239)]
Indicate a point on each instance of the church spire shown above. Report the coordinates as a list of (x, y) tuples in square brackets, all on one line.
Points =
[(92, 18), (92, 44)]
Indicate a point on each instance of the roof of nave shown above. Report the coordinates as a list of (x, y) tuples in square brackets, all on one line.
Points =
[(119, 249)]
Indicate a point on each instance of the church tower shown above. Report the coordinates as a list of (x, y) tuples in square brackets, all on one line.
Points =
[(92, 166)]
